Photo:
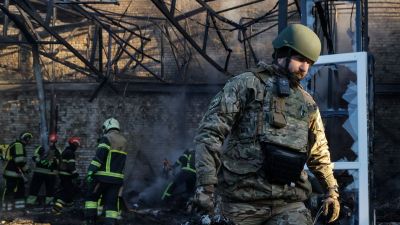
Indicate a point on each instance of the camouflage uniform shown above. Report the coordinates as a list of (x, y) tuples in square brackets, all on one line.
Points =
[(243, 110)]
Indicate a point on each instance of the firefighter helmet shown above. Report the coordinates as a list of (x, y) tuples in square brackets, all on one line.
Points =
[(53, 138), (110, 123), (25, 136), (74, 141), (301, 39)]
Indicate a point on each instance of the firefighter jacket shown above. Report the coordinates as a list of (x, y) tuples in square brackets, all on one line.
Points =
[(109, 162), (187, 161), (16, 161), (42, 163), (244, 109), (67, 162)]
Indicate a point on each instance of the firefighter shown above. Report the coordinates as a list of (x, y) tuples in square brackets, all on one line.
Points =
[(15, 172), (45, 172), (106, 173), (67, 174), (186, 176)]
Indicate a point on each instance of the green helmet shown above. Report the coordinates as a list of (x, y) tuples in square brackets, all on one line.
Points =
[(110, 123), (301, 39)]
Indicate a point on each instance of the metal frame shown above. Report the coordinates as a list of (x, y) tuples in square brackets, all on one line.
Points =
[(361, 20), (361, 59)]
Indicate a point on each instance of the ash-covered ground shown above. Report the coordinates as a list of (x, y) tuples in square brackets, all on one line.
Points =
[(74, 216)]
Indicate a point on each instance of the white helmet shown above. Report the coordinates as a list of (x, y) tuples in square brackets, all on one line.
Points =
[(110, 123)]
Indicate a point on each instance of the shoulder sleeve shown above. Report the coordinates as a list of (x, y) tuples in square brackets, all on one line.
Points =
[(101, 154), (222, 114), (320, 161)]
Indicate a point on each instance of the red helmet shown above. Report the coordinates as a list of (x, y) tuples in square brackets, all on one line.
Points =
[(74, 141), (53, 138)]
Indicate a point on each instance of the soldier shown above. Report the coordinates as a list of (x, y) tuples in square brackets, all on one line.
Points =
[(106, 174), (274, 128), (15, 172)]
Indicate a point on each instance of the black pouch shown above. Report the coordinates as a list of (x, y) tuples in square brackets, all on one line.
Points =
[(283, 87), (282, 165)]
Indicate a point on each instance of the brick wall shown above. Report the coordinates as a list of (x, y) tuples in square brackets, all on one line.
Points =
[(384, 26), (157, 124)]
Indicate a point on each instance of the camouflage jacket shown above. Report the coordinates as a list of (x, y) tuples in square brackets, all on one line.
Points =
[(242, 111)]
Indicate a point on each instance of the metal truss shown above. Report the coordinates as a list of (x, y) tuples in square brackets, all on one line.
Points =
[(213, 21), (36, 21)]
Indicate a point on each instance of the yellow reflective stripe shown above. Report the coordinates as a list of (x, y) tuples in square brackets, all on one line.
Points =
[(118, 151), (19, 159), (90, 205), (110, 174), (189, 169), (60, 201), (111, 214), (43, 170), (188, 161), (11, 173), (166, 194), (31, 199), (95, 163), (64, 173), (19, 149), (37, 151), (102, 145), (108, 161), (68, 161)]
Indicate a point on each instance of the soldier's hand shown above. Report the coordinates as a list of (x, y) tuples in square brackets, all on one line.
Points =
[(204, 198), (331, 204)]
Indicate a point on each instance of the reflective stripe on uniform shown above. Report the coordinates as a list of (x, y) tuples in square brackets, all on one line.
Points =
[(31, 199), (95, 163), (64, 173), (111, 214), (102, 145), (19, 148), (45, 171), (59, 201), (189, 169), (20, 204), (19, 159), (110, 174), (166, 194), (69, 160), (90, 205), (118, 151), (10, 173)]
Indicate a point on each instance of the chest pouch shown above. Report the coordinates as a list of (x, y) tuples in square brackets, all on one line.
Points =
[(282, 165), (278, 118)]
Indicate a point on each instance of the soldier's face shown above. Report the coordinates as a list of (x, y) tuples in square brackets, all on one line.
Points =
[(299, 66)]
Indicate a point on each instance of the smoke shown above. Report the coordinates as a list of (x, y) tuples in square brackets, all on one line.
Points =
[(151, 196)]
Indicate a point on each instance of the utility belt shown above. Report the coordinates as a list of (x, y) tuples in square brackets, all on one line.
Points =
[(282, 165)]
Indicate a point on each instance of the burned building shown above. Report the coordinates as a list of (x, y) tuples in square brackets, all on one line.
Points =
[(66, 66)]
